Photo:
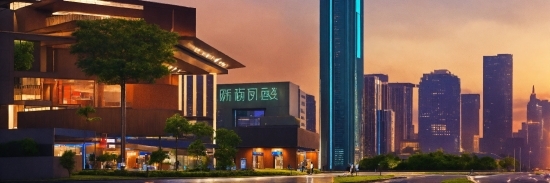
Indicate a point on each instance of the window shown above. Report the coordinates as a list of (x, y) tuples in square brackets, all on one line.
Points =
[(248, 117)]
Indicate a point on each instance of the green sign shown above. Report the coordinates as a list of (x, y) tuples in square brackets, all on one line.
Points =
[(248, 94)]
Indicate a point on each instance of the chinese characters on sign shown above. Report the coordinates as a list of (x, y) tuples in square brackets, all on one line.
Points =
[(248, 94)]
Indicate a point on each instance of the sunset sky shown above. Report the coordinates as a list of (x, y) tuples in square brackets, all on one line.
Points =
[(279, 40)]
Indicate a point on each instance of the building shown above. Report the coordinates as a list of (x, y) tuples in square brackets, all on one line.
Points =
[(311, 114), (341, 70), (401, 102), (267, 118), (439, 112), (48, 95), (497, 101), (385, 128), (372, 103), (534, 108), (469, 115)]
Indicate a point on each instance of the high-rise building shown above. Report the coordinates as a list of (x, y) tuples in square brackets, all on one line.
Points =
[(534, 109), (401, 102), (311, 114), (439, 112), (497, 102), (470, 105), (372, 102), (385, 128), (341, 71)]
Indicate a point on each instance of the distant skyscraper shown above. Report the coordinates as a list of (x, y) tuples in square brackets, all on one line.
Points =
[(497, 102), (470, 105), (385, 128), (341, 74), (534, 109), (311, 115), (372, 102), (439, 112), (401, 102)]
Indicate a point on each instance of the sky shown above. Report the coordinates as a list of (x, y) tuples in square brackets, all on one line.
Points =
[(279, 40)]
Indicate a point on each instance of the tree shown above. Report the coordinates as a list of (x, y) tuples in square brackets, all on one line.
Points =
[(85, 113), (197, 148), (177, 125), (158, 157), (201, 129), (226, 150), (119, 51), (67, 161), (23, 55), (507, 163)]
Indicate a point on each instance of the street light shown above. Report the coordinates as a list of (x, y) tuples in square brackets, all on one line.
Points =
[(380, 169)]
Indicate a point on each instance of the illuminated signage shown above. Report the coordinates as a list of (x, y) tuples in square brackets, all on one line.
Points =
[(110, 140), (248, 94)]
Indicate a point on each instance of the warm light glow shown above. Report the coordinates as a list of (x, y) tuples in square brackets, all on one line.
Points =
[(107, 3), (10, 117), (210, 57), (17, 5)]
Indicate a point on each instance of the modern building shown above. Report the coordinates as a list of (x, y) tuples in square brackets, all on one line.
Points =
[(534, 108), (439, 112), (372, 103), (385, 128), (401, 102), (311, 113), (48, 95), (341, 71), (469, 115), (267, 118), (497, 102)]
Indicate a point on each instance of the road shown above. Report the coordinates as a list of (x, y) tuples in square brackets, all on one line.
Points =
[(512, 178), (406, 177)]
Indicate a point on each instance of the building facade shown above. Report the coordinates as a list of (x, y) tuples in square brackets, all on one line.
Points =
[(311, 114), (341, 71), (469, 115), (385, 128), (372, 102), (49, 93), (497, 102), (401, 102), (267, 118), (439, 112)]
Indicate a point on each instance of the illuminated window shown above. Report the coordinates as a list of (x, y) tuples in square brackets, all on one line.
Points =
[(108, 3)]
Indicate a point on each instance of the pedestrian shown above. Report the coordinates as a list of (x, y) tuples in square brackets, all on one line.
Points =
[(356, 168), (311, 167), (302, 167), (351, 169)]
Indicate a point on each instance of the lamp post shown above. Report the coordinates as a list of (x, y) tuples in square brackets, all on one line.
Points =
[(380, 169)]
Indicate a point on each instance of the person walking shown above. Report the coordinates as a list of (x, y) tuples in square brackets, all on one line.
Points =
[(311, 168), (356, 168)]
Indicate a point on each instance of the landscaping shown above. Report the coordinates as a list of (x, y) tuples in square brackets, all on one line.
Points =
[(214, 173), (457, 180), (366, 178)]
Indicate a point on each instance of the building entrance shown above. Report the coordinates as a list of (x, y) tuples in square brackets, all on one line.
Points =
[(258, 161)]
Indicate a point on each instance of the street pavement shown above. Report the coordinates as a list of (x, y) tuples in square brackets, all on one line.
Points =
[(402, 177)]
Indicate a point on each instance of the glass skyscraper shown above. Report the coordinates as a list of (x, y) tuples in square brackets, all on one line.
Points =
[(439, 112), (341, 82), (497, 102)]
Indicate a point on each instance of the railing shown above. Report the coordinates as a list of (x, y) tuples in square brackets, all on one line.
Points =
[(59, 19)]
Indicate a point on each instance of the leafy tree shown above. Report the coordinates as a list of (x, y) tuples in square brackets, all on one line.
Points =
[(507, 163), (23, 53), (197, 148), (177, 125), (85, 113), (158, 157), (119, 51), (201, 129), (67, 161), (226, 150)]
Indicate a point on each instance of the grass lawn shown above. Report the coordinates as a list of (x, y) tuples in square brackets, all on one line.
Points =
[(98, 177), (457, 180), (366, 178)]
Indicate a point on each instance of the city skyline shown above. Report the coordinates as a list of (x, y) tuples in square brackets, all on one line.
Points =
[(444, 35)]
